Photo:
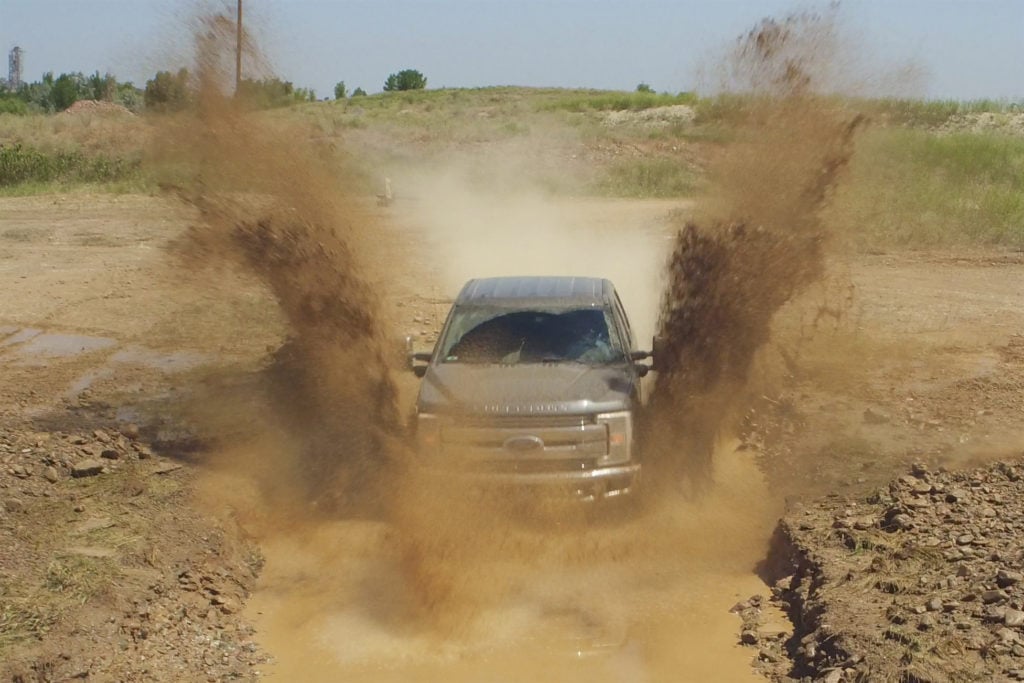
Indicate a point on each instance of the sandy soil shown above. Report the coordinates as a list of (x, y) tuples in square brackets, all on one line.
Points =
[(101, 330)]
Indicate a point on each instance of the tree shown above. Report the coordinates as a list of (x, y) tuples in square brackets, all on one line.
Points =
[(407, 79), (167, 91), (643, 87), (65, 91), (358, 92), (339, 91)]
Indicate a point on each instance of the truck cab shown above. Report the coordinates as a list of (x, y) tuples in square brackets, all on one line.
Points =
[(533, 382)]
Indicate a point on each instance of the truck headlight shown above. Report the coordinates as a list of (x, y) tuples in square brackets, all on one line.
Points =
[(428, 433), (620, 436)]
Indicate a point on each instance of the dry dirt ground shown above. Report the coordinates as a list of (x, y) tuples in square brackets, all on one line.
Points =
[(117, 563)]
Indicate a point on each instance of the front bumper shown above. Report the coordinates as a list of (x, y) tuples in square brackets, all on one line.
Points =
[(600, 483)]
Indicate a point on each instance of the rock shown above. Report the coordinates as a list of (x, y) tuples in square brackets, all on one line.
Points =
[(919, 470), (87, 468), (101, 436), (747, 636), (933, 605), (1006, 635), (833, 676), (1013, 617), (50, 474), (229, 606), (955, 496), (785, 583), (110, 454), (131, 431), (167, 468), (14, 505), (897, 522), (993, 596), (1005, 578)]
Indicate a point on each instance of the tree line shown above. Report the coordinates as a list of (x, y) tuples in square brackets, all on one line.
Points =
[(170, 91)]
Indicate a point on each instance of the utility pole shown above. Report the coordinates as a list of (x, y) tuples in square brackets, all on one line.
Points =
[(238, 48)]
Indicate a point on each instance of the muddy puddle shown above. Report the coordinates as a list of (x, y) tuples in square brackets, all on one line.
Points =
[(649, 601)]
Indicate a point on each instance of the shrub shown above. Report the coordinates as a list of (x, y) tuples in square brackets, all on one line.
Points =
[(19, 165), (407, 79), (12, 105), (358, 92), (340, 91)]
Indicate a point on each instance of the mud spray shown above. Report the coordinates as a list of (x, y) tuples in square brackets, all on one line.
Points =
[(758, 240), (372, 575)]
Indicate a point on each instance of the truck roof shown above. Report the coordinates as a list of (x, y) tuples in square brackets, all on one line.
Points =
[(590, 291)]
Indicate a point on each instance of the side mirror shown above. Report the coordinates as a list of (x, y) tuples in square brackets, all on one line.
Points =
[(641, 369), (657, 352), (412, 358)]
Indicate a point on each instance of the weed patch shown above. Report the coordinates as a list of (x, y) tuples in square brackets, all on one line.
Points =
[(26, 165)]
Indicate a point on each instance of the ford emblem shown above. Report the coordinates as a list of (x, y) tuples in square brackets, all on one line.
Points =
[(524, 443)]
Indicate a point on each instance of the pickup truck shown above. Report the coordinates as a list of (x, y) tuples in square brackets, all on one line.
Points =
[(533, 382)]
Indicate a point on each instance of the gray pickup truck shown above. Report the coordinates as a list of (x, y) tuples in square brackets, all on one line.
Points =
[(533, 382)]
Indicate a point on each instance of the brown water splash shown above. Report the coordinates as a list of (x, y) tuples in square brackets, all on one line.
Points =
[(758, 239)]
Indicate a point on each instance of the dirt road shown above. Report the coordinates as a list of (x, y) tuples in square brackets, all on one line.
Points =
[(101, 331)]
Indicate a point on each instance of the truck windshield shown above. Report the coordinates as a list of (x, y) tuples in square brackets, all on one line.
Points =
[(487, 334)]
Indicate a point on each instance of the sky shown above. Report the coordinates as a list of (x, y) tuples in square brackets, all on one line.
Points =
[(962, 49)]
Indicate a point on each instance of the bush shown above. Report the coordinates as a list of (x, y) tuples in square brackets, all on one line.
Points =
[(19, 165), (12, 105), (340, 91), (358, 92), (407, 79), (643, 87)]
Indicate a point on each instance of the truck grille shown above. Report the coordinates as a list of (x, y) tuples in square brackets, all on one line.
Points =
[(557, 442)]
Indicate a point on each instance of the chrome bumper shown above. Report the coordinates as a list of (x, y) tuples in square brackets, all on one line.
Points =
[(586, 485)]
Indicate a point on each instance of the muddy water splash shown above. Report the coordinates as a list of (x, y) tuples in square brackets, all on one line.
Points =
[(758, 239), (270, 205)]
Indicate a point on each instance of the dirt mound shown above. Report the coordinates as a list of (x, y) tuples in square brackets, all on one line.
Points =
[(922, 581), (97, 547)]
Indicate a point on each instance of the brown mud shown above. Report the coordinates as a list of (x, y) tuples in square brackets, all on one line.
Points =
[(444, 574), (758, 240)]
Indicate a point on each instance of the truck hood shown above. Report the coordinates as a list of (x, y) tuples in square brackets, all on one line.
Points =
[(527, 389)]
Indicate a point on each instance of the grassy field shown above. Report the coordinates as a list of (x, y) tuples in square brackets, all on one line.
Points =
[(924, 174)]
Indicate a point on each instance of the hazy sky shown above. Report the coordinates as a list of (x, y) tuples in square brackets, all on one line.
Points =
[(965, 48)]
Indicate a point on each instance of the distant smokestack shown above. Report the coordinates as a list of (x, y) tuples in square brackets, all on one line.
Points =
[(14, 68)]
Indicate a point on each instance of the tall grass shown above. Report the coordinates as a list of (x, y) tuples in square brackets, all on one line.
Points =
[(933, 112), (21, 165), (651, 177), (914, 188), (604, 100)]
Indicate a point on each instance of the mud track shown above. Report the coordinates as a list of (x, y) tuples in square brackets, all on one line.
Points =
[(105, 347)]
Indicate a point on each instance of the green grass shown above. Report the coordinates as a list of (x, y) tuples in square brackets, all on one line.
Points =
[(648, 178), (604, 100), (21, 165), (932, 112), (913, 188)]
